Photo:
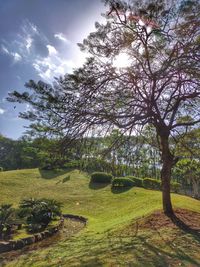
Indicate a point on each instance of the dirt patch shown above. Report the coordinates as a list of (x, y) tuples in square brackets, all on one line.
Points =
[(159, 220)]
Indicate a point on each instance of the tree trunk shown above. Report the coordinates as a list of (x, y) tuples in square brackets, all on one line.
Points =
[(167, 160), (195, 185), (1, 231)]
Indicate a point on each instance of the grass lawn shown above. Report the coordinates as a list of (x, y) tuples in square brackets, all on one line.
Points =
[(112, 237)]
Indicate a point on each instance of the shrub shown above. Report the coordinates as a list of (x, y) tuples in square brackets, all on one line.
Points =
[(38, 213), (1, 169), (75, 164), (137, 181), (175, 187), (7, 218), (101, 177), (120, 182), (151, 183), (47, 167)]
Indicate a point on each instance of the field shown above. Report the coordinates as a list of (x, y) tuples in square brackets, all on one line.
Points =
[(119, 231)]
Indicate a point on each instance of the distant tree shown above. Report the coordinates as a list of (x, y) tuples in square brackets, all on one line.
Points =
[(159, 86), (190, 170), (189, 144)]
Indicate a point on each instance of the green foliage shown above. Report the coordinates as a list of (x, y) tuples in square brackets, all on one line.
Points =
[(175, 187), (120, 182), (39, 212), (74, 164), (137, 181), (190, 171), (7, 215), (189, 167), (94, 164), (101, 177), (151, 183)]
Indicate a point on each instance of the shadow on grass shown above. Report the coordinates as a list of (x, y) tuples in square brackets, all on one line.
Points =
[(50, 174), (133, 249), (120, 190), (186, 228), (97, 186)]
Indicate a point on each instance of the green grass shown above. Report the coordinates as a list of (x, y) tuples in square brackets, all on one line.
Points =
[(101, 242)]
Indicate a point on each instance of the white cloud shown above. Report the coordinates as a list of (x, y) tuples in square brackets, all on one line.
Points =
[(60, 36), (16, 56), (4, 49), (52, 50), (29, 42), (32, 45), (29, 28), (52, 66), (2, 111)]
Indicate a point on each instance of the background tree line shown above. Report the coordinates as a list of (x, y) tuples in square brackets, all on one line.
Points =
[(116, 153)]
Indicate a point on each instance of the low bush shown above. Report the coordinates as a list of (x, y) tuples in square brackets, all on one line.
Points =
[(75, 164), (120, 182), (156, 184), (137, 181), (101, 177), (47, 167), (151, 183), (38, 213), (1, 169)]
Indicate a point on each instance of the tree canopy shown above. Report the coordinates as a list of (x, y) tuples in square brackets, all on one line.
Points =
[(159, 86)]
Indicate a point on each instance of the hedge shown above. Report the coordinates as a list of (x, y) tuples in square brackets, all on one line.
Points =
[(120, 182), (101, 177), (137, 181), (151, 183)]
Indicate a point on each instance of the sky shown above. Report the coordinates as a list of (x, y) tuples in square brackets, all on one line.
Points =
[(38, 40)]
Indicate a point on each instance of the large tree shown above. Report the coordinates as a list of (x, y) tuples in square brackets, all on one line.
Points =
[(159, 86)]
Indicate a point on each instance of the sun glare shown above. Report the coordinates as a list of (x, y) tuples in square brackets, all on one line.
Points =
[(122, 61)]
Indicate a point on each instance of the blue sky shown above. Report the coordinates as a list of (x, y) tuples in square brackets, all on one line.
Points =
[(38, 40)]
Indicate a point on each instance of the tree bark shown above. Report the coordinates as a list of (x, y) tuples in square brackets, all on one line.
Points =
[(195, 185), (167, 164)]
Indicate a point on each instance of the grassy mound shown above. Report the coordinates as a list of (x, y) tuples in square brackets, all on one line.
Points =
[(112, 236)]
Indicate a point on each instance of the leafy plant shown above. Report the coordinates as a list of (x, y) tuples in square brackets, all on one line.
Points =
[(7, 215), (39, 212)]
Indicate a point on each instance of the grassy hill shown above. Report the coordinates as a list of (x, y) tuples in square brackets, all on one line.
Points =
[(112, 237)]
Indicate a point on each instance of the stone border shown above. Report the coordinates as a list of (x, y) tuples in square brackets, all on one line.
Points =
[(7, 246)]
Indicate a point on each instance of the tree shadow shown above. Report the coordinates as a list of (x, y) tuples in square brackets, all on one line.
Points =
[(120, 190), (176, 252), (50, 174), (161, 257), (97, 186), (184, 227)]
